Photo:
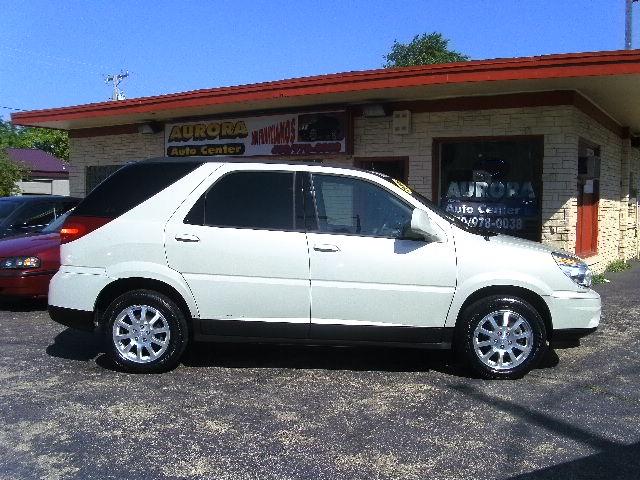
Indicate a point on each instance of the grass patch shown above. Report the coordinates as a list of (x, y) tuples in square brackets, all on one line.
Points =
[(599, 278), (618, 266)]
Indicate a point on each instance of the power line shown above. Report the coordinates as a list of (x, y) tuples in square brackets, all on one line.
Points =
[(12, 108), (55, 58), (95, 68)]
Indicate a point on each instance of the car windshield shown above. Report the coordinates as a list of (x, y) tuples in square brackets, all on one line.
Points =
[(435, 208), (56, 225), (6, 207)]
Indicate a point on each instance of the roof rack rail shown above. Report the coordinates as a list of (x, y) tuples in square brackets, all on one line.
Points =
[(199, 159)]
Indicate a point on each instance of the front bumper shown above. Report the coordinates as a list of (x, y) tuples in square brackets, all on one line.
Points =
[(574, 315), (19, 283)]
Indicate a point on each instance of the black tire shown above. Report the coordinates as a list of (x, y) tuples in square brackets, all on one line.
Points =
[(477, 313), (172, 319)]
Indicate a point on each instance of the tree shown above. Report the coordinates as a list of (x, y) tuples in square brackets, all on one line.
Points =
[(10, 173), (56, 142), (422, 50)]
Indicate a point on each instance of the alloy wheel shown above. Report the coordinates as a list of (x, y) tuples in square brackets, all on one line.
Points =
[(503, 339), (141, 334)]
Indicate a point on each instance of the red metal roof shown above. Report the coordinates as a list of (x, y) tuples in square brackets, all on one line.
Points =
[(593, 64)]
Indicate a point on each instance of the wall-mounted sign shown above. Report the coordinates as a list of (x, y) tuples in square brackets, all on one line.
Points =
[(287, 134)]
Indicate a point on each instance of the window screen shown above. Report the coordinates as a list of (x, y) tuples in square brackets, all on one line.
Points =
[(257, 200), (352, 206)]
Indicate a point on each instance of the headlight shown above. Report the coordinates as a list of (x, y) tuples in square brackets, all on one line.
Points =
[(574, 268), (20, 263)]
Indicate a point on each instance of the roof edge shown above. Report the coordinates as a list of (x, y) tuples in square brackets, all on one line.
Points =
[(618, 62)]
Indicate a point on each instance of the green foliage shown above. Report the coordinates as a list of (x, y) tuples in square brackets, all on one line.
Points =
[(422, 50), (10, 173), (56, 142), (599, 278), (619, 265)]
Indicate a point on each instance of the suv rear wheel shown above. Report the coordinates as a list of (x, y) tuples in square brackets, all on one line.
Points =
[(501, 337), (145, 331)]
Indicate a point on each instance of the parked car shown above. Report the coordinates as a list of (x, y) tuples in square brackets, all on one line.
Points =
[(31, 213), (28, 262), (168, 250)]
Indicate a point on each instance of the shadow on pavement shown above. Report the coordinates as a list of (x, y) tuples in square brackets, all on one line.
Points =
[(83, 346), (246, 355), (23, 305), (618, 462), (614, 460), (73, 344)]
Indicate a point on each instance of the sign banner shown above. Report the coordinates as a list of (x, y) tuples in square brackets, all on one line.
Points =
[(497, 205), (286, 134)]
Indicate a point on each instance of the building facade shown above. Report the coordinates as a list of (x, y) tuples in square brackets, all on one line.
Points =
[(48, 175), (547, 152)]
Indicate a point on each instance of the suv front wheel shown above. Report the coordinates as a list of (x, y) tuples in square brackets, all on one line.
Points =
[(501, 337), (146, 332)]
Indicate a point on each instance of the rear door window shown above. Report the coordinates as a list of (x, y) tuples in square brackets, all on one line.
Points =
[(256, 200)]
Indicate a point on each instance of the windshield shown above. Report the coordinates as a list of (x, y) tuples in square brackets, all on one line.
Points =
[(56, 225), (435, 208), (6, 207)]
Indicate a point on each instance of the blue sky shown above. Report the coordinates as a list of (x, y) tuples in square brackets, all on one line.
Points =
[(55, 53)]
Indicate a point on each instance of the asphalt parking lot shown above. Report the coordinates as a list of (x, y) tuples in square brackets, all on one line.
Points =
[(269, 412)]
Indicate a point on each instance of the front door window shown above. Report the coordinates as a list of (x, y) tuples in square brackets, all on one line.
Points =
[(356, 207)]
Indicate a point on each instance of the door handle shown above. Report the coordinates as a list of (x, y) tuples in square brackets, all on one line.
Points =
[(186, 237), (326, 247)]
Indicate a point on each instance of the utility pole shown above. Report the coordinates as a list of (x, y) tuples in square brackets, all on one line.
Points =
[(628, 25), (116, 78)]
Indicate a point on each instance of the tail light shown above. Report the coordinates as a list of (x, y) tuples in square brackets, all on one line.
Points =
[(77, 227)]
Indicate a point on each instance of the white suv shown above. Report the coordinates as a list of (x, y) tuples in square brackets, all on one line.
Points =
[(170, 250)]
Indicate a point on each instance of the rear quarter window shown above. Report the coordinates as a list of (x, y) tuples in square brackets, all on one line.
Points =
[(130, 186)]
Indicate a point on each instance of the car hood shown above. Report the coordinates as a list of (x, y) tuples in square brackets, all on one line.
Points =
[(28, 244), (509, 241)]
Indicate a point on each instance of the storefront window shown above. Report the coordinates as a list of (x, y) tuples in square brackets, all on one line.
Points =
[(493, 185)]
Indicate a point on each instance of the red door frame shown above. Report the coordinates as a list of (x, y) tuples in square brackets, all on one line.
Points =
[(587, 224)]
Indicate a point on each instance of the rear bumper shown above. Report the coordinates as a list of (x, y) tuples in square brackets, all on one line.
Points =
[(77, 288), (78, 319), (24, 284)]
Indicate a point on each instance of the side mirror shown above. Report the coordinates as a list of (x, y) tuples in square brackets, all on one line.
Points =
[(421, 225)]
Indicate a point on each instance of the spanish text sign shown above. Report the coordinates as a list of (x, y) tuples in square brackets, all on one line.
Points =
[(287, 134)]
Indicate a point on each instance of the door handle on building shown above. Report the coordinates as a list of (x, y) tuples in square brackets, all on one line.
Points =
[(186, 237), (325, 247)]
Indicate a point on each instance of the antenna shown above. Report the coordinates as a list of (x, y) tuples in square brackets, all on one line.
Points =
[(116, 79)]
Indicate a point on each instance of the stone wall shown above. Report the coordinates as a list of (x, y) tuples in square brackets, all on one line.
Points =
[(109, 150)]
